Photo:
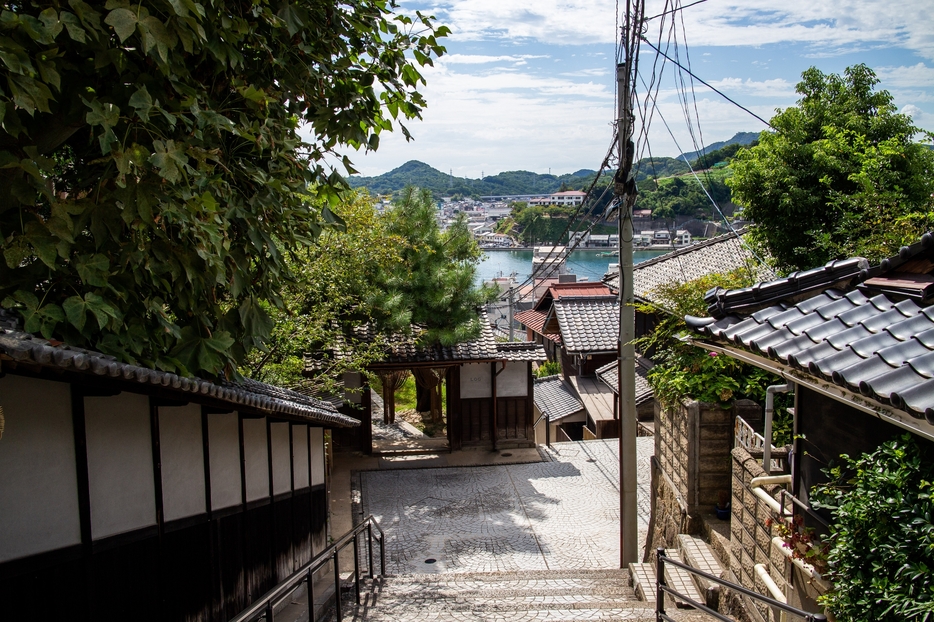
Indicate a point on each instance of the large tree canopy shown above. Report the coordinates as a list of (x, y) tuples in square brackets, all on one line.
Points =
[(839, 176), (157, 159)]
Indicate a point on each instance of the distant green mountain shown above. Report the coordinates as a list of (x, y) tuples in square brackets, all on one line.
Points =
[(742, 138), (415, 173)]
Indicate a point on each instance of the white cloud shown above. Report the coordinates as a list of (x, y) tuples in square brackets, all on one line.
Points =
[(912, 110), (825, 27), (481, 59), (919, 75)]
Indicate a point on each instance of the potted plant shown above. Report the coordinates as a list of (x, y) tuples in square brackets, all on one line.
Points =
[(723, 505)]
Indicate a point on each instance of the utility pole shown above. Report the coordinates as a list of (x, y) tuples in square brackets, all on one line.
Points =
[(625, 190), (511, 292)]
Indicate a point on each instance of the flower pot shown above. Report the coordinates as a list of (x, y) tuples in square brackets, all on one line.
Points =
[(723, 513)]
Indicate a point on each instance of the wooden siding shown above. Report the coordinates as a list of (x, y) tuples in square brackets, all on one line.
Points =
[(206, 567)]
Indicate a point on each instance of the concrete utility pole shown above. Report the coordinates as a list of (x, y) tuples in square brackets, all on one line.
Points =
[(625, 192), (511, 314)]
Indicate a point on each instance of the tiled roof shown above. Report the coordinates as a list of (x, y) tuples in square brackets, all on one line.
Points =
[(877, 345), (608, 374), (555, 398), (535, 320), (520, 351), (721, 254), (588, 324), (23, 348), (404, 350), (581, 289)]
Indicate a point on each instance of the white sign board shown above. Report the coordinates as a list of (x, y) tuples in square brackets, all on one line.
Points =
[(513, 381), (476, 381)]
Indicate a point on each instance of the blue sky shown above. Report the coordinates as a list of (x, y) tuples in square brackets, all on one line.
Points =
[(529, 84)]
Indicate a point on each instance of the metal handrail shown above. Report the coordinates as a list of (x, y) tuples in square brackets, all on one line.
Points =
[(265, 606), (661, 588)]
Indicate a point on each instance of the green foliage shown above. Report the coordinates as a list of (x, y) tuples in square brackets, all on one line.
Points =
[(683, 371), (840, 177), (882, 538), (327, 300), (154, 179), (548, 368), (681, 196), (432, 285), (421, 175), (723, 154)]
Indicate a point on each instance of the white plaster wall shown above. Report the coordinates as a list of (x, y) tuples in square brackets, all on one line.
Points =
[(281, 458), (300, 455), (475, 380), (224, 458), (317, 456), (38, 484), (256, 459), (123, 496), (182, 447), (513, 381)]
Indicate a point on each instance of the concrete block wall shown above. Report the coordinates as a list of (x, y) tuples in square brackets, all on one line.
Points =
[(750, 538), (693, 444)]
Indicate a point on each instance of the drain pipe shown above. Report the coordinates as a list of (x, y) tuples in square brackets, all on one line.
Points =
[(769, 409), (773, 589)]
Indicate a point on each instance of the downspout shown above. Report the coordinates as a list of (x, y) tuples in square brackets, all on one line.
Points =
[(769, 409), (495, 374)]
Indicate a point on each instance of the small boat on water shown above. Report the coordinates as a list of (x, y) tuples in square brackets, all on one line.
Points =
[(609, 254)]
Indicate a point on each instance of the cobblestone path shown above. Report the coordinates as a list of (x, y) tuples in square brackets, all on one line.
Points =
[(556, 515)]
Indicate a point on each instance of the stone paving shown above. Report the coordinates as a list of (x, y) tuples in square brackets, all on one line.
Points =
[(558, 514)]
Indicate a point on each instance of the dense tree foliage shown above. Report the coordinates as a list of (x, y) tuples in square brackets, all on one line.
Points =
[(327, 301), (154, 170), (840, 175), (881, 552), (681, 196), (432, 285), (421, 175)]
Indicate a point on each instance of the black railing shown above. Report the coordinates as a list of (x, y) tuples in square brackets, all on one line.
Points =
[(661, 588), (265, 606)]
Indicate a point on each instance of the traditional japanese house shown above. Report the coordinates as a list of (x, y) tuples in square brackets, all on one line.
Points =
[(129, 493), (489, 389)]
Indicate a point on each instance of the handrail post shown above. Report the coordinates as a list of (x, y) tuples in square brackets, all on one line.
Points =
[(369, 545), (659, 583), (337, 587), (270, 612), (356, 568), (382, 554), (311, 595)]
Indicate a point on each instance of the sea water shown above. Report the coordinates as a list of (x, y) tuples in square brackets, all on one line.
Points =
[(589, 264)]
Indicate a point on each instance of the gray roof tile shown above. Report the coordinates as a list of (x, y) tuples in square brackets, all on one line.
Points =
[(25, 348), (588, 324), (880, 344), (555, 398), (723, 253), (608, 374)]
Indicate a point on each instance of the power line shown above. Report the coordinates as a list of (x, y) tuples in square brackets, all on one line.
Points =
[(712, 88), (681, 8)]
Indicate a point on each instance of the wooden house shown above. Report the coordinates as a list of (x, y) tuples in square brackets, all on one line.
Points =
[(855, 341), (489, 389), (129, 493)]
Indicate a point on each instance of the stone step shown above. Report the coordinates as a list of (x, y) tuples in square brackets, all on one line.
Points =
[(697, 553), (643, 581), (681, 580), (527, 596)]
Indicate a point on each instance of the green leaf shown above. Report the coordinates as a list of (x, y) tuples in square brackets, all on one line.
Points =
[(94, 269), (123, 21), (142, 101), (75, 311)]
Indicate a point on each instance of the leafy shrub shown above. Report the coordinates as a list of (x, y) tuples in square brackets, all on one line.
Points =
[(882, 538), (548, 368), (685, 371)]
